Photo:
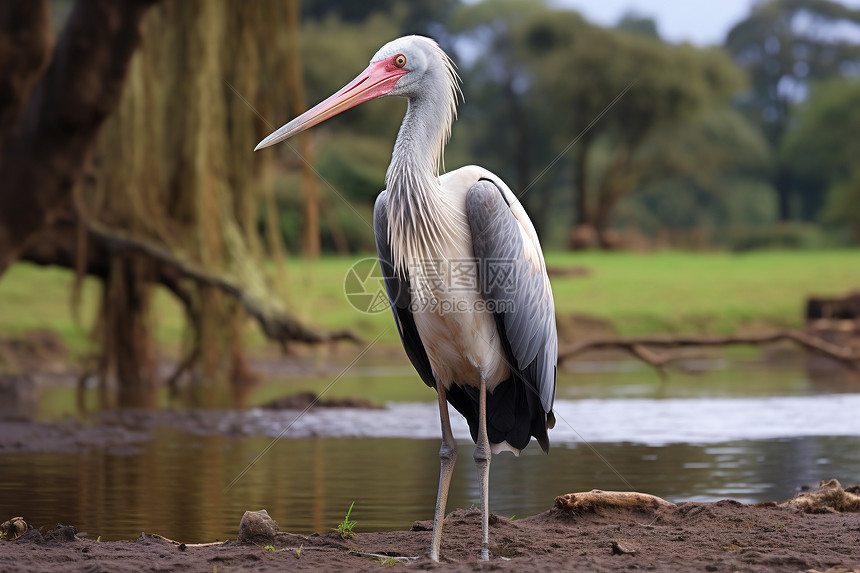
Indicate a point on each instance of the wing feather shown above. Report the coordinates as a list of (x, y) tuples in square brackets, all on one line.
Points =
[(516, 283)]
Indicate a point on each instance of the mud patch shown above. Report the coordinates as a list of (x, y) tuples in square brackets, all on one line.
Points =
[(722, 536), (305, 400)]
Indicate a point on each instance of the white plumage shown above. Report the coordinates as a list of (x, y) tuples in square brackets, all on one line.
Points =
[(464, 269)]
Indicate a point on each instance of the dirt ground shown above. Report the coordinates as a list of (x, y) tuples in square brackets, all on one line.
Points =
[(821, 535), (818, 533)]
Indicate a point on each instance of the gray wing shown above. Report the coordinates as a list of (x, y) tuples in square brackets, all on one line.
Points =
[(525, 315), (398, 295)]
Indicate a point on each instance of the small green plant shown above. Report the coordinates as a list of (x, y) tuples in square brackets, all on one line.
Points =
[(299, 551), (269, 548), (513, 517), (99, 539), (390, 561), (344, 528)]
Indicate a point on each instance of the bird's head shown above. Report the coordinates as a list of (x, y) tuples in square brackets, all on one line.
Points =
[(400, 68)]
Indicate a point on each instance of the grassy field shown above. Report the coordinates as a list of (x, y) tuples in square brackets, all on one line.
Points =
[(637, 293), (697, 292)]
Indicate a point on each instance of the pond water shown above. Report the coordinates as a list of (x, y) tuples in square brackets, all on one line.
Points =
[(745, 433)]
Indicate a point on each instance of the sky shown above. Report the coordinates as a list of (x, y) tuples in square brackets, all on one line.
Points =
[(700, 22)]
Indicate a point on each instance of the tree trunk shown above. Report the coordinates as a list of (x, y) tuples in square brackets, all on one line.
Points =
[(617, 182), (603, 217), (26, 26), (296, 97), (521, 157), (126, 296), (781, 182), (580, 178), (46, 152), (521, 153)]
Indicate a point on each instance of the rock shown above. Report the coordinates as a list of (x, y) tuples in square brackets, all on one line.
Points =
[(305, 400), (623, 547), (423, 525), (256, 524), (62, 533), (14, 528)]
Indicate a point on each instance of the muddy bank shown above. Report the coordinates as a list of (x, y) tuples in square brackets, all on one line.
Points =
[(809, 534)]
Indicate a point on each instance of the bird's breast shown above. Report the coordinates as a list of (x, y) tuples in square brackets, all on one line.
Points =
[(456, 325), (431, 240)]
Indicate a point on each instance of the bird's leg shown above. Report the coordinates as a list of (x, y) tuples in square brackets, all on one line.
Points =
[(447, 456), (483, 454)]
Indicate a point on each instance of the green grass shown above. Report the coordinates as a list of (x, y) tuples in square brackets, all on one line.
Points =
[(33, 297), (701, 292), (345, 527), (637, 293)]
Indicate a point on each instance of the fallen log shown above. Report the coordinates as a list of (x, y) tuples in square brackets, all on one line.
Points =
[(642, 346), (58, 245)]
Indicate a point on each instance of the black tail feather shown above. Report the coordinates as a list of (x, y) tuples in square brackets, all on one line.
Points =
[(514, 413)]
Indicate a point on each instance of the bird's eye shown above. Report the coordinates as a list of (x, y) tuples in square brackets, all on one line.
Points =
[(400, 61)]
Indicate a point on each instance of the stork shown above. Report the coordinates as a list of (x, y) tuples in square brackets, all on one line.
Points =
[(463, 267)]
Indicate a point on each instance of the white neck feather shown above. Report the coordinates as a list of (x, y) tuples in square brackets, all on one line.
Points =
[(421, 217)]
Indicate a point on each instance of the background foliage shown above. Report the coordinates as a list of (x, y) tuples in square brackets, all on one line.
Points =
[(722, 147)]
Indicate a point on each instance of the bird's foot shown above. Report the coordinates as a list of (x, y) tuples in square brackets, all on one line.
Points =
[(485, 554)]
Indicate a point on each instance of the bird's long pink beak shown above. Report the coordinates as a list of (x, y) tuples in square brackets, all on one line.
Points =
[(378, 79)]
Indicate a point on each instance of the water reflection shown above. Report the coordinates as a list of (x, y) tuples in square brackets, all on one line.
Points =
[(177, 484), (578, 380), (749, 434)]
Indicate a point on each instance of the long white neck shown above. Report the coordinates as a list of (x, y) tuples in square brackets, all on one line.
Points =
[(417, 154), (420, 215)]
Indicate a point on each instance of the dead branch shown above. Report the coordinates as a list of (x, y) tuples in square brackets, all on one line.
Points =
[(276, 324), (58, 244), (591, 501), (642, 346)]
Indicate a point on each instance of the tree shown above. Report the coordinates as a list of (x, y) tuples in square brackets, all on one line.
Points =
[(53, 104), (173, 195), (547, 87), (820, 153), (497, 125), (611, 93), (635, 23), (702, 178), (785, 44), (426, 17)]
